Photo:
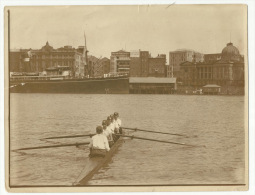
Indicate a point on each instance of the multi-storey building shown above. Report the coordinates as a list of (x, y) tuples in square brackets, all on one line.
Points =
[(135, 67), (120, 62), (228, 72), (144, 57), (37, 60), (105, 65), (169, 71), (179, 56), (98, 67), (212, 57), (138, 63), (157, 66)]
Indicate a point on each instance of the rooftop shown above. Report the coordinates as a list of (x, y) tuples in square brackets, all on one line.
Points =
[(184, 50), (211, 85), (151, 80)]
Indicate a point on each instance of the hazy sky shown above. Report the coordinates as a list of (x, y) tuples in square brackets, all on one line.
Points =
[(158, 29)]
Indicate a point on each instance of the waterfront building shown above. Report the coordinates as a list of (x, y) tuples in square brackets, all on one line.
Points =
[(105, 64), (144, 57), (98, 67), (228, 72), (169, 72), (212, 57), (135, 67), (182, 55), (37, 60), (120, 62), (157, 66), (138, 63), (152, 85)]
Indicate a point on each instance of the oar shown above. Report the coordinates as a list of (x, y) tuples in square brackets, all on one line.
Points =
[(162, 141), (69, 136), (53, 146), (160, 132)]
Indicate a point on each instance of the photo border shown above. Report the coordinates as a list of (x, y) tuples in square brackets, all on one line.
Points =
[(126, 189)]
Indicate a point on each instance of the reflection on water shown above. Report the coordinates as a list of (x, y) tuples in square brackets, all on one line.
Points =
[(214, 121)]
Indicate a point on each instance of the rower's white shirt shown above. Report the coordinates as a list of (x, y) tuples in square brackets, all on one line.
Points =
[(112, 127), (117, 123), (99, 141), (107, 132)]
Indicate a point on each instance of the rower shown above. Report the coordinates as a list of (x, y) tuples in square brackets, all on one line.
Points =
[(110, 125), (107, 132), (117, 123), (99, 144)]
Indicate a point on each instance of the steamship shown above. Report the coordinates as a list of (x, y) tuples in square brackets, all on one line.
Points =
[(64, 83)]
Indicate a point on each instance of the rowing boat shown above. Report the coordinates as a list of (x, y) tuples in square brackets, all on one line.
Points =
[(94, 164)]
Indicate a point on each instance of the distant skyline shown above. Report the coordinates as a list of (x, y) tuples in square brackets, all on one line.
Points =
[(158, 29)]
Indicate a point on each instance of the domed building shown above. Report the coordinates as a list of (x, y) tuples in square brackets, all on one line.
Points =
[(225, 69), (230, 53)]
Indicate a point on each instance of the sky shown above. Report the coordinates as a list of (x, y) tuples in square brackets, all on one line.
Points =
[(158, 29)]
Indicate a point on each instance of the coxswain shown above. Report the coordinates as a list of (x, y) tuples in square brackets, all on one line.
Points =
[(99, 144), (117, 123), (107, 132)]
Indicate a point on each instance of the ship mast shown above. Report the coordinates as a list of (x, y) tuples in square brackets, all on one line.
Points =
[(85, 55)]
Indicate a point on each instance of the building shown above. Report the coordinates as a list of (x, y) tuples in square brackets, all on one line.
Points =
[(182, 55), (120, 62), (92, 64), (212, 57), (138, 64), (37, 60), (17, 60), (98, 67), (157, 66), (135, 67), (152, 85), (228, 72), (169, 71), (144, 57), (106, 65), (211, 89)]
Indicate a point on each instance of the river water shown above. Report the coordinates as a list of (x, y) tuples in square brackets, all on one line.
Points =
[(214, 121)]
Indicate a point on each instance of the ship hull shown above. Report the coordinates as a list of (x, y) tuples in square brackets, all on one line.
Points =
[(77, 86)]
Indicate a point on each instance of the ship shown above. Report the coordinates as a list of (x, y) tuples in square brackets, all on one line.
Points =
[(60, 84)]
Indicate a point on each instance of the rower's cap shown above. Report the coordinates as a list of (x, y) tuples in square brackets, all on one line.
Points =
[(104, 122), (116, 114), (109, 118), (99, 129), (108, 122)]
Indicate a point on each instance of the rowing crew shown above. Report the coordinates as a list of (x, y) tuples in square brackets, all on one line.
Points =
[(106, 135)]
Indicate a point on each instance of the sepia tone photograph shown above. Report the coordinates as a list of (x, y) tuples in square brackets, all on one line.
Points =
[(127, 96)]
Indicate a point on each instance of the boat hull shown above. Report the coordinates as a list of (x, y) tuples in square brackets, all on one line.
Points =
[(92, 165), (77, 86)]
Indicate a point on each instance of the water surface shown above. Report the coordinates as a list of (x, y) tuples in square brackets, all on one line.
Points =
[(214, 121)]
